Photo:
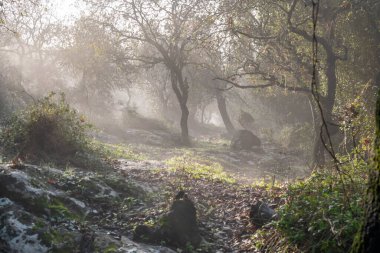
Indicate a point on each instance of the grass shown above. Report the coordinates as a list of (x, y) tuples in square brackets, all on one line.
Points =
[(199, 168), (111, 248), (121, 151)]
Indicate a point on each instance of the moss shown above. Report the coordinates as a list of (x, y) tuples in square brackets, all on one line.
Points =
[(39, 224), (59, 209), (57, 240), (111, 248)]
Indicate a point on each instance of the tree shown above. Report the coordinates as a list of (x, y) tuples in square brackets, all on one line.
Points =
[(222, 106), (206, 89), (368, 237), (31, 33), (96, 58), (174, 29), (28, 31), (274, 39)]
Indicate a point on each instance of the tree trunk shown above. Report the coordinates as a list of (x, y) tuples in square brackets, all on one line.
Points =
[(184, 126), (327, 104), (368, 238), (329, 100), (181, 90), (220, 99), (319, 149), (203, 114)]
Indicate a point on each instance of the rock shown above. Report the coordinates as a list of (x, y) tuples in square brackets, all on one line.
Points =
[(15, 185), (87, 243), (130, 246), (244, 140), (261, 213), (41, 210), (20, 186), (148, 234), (180, 224), (178, 228), (105, 243), (16, 230)]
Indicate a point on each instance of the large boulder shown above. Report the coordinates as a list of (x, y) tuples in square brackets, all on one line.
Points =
[(244, 140)]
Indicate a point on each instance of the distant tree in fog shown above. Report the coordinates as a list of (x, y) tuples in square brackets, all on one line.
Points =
[(173, 29)]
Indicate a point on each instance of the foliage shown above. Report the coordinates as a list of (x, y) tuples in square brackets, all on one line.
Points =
[(12, 95), (323, 212), (357, 125), (298, 137), (199, 168), (48, 129)]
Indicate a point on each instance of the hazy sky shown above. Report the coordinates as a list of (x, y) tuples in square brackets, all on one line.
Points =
[(65, 9)]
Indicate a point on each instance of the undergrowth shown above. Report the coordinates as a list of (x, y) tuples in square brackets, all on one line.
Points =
[(323, 213), (50, 131)]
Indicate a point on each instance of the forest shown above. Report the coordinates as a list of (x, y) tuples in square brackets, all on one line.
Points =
[(187, 126)]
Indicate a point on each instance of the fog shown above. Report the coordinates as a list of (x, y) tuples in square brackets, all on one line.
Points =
[(189, 125), (199, 79)]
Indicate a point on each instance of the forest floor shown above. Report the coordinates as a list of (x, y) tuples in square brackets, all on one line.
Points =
[(268, 162), (222, 183), (137, 187), (222, 204)]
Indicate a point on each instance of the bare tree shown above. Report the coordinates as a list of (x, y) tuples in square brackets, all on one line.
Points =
[(174, 29), (272, 48)]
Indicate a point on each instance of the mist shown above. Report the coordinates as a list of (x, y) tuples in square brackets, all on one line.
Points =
[(234, 109)]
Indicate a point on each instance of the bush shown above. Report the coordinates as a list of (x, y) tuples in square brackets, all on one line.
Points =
[(323, 213), (47, 129)]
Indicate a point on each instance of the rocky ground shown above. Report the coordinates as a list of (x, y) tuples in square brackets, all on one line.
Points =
[(50, 209), (43, 209)]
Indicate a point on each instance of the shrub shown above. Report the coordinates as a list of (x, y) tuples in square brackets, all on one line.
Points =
[(47, 129), (323, 213)]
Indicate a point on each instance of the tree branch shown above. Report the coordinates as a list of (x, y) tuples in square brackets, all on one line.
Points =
[(274, 83)]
